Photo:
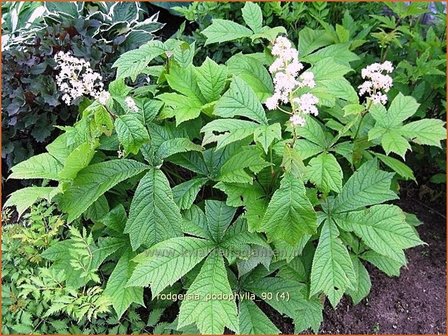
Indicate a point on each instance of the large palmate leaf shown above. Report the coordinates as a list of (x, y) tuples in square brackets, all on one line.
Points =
[(226, 131), (174, 146), (224, 30), (394, 135), (325, 172), (22, 199), (289, 297), (203, 305), (383, 228), (253, 72), (184, 107), (211, 79), (166, 262), (387, 265), (123, 296), (363, 284), (290, 214), (132, 63), (42, 166), (254, 321), (153, 216), (240, 100), (184, 81), (235, 169), (252, 16), (132, 134), (367, 186), (267, 134), (93, 181), (77, 160), (332, 271), (185, 193), (219, 216)]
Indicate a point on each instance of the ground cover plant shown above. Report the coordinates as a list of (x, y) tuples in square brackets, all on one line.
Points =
[(213, 184)]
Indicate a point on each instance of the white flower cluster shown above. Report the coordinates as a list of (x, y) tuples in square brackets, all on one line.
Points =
[(378, 83), (76, 79), (130, 103), (285, 70)]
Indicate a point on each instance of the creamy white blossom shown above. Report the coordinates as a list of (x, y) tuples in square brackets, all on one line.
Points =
[(104, 97), (76, 79), (377, 81), (297, 120), (130, 103), (287, 78)]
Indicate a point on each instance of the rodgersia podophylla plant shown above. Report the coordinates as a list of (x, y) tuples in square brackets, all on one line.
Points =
[(211, 201)]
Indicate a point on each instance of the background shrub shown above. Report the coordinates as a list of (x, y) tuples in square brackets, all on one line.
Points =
[(96, 32)]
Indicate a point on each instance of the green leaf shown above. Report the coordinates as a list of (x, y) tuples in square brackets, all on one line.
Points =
[(280, 290), (290, 214), (253, 72), (239, 193), (77, 160), (184, 81), (353, 109), (42, 166), (311, 40), (309, 315), (195, 223), (387, 265), (185, 108), (307, 149), (131, 133), (240, 100), (211, 79), (329, 69), (93, 181), (314, 132), (252, 16), (177, 145), (269, 33), (325, 172), (392, 141), (332, 271), (185, 193), (123, 296), (367, 186), (115, 219), (292, 162), (234, 170), (132, 63), (224, 30), (401, 108), (219, 216), (254, 321), (383, 228), (184, 54), (202, 304), (397, 166), (166, 262), (24, 198), (425, 132), (226, 131), (363, 284), (266, 135), (153, 215)]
